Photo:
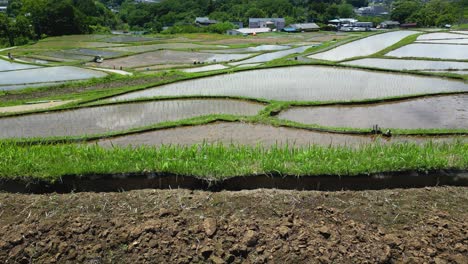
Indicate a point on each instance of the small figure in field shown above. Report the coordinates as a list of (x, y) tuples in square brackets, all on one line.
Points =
[(10, 56)]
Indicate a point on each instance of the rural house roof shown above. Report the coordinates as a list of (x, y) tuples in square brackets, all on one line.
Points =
[(266, 19), (305, 26)]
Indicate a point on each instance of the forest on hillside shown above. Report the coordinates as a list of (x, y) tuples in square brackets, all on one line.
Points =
[(27, 20)]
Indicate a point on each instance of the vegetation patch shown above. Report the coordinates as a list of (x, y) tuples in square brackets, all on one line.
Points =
[(215, 162)]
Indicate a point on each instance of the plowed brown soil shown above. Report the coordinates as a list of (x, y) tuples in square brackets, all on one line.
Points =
[(262, 226)]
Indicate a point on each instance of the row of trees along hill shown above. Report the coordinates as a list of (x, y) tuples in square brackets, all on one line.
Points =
[(431, 13), (33, 19), (27, 20)]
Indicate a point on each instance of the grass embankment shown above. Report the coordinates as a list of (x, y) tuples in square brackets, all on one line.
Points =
[(217, 162)]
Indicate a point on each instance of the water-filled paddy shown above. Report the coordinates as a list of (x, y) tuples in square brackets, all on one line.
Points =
[(305, 83), (445, 41), (45, 75), (399, 64), (251, 49), (96, 120), (460, 31), (13, 66), (250, 134), (124, 39), (93, 52), (431, 112), (66, 56), (441, 35), (439, 51), (145, 48), (272, 55), (363, 47), (170, 57), (206, 68)]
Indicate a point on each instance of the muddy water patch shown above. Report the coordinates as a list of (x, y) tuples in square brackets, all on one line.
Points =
[(449, 112), (251, 135), (363, 47), (438, 51), (305, 83), (98, 120), (170, 57)]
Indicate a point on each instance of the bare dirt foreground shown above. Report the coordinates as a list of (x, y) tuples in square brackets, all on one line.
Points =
[(263, 226)]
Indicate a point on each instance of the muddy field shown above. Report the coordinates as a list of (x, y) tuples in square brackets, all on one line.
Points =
[(253, 135), (263, 226)]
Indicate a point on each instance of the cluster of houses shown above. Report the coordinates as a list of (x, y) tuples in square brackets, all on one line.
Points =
[(261, 25)]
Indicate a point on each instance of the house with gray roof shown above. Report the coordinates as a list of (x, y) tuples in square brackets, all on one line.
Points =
[(272, 23)]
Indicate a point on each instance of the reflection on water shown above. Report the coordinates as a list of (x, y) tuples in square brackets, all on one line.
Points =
[(273, 55), (363, 47), (103, 119), (396, 64), (44, 75), (439, 51), (253, 135), (433, 112), (305, 83)]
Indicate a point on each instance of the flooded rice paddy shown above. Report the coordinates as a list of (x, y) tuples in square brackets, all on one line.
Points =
[(13, 80), (400, 64), (439, 51), (445, 41), (272, 55), (305, 83), (363, 47), (431, 112), (145, 48), (441, 35), (98, 120), (206, 68), (124, 39), (251, 49), (13, 66), (250, 134), (170, 57)]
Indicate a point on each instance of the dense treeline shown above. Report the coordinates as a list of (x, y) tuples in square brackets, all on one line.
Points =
[(33, 19), (432, 13)]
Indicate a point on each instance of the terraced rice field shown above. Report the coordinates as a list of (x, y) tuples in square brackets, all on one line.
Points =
[(272, 56), (434, 112), (251, 49), (441, 36), (400, 64), (446, 41), (438, 51), (252, 135), (145, 48), (103, 119), (125, 39), (305, 83), (12, 66), (170, 57), (14, 80), (206, 68), (363, 47)]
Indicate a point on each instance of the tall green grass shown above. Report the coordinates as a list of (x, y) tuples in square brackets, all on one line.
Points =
[(216, 162)]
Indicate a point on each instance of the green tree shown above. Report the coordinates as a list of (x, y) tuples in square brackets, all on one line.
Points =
[(404, 9)]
